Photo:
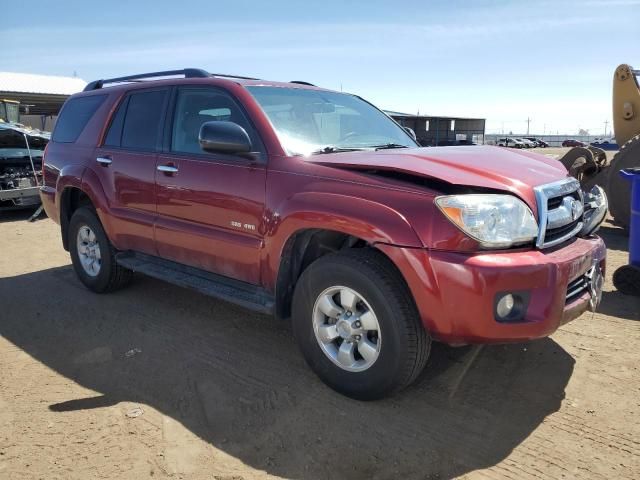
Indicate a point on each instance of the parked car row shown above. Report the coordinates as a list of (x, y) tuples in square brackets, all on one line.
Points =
[(531, 142), (524, 142)]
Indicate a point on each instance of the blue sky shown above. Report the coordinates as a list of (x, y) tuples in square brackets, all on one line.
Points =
[(552, 61)]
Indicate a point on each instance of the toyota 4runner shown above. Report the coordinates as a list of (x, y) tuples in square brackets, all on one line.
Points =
[(314, 205)]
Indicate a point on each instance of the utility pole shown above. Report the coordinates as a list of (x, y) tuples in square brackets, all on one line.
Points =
[(606, 122), (528, 121)]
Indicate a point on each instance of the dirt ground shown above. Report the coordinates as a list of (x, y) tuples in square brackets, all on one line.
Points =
[(157, 381)]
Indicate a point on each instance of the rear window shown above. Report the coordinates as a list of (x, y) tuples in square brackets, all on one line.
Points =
[(74, 117)]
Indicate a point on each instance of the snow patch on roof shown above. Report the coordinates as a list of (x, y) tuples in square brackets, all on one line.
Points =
[(47, 84)]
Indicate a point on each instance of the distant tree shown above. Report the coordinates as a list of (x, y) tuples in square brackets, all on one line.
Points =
[(583, 132)]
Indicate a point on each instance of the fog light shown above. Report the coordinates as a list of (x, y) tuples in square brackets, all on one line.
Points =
[(505, 306), (511, 306)]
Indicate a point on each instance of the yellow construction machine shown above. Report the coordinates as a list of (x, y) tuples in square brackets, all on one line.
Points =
[(590, 164)]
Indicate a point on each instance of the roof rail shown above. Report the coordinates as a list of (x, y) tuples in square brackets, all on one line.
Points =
[(302, 82), (187, 72)]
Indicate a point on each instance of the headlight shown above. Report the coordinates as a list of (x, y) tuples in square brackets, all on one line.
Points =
[(596, 207), (495, 221)]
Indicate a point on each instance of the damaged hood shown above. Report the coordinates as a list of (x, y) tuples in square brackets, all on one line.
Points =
[(475, 166), (14, 138)]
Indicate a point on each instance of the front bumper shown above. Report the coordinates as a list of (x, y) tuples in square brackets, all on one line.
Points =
[(25, 196), (455, 292)]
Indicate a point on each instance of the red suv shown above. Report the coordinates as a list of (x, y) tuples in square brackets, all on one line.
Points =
[(314, 205)]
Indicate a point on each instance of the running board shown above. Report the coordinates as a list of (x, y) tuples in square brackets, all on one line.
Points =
[(211, 284)]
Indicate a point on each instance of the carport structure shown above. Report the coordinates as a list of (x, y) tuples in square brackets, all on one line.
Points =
[(436, 130), (40, 96)]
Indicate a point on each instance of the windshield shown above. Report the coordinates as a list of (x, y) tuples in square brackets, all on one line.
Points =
[(318, 121)]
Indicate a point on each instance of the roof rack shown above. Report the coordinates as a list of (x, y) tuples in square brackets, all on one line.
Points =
[(302, 82), (187, 72)]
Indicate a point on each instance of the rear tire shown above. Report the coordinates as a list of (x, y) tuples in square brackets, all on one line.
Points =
[(92, 255), (619, 189), (389, 347)]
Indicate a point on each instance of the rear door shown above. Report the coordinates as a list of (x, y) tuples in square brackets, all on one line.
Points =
[(126, 163), (210, 206)]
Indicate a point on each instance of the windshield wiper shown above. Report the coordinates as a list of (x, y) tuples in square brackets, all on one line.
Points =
[(388, 146), (330, 149)]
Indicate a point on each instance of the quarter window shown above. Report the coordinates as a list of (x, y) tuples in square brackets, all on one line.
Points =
[(74, 117), (114, 135)]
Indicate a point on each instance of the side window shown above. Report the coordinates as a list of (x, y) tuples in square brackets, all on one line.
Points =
[(75, 115), (195, 106), (141, 123)]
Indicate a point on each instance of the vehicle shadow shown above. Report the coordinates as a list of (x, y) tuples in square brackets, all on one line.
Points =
[(616, 304), (15, 215), (616, 238), (237, 381)]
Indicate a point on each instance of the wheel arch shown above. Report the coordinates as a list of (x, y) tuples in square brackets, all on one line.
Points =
[(71, 198), (304, 247), (312, 224), (85, 189)]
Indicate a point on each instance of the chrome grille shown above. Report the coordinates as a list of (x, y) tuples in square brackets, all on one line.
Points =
[(560, 212)]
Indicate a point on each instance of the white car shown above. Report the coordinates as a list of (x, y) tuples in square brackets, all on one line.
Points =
[(526, 142), (510, 142)]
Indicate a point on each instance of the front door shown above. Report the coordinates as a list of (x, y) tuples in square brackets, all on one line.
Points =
[(210, 206), (126, 165)]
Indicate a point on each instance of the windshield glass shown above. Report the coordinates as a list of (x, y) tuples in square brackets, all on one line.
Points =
[(318, 121)]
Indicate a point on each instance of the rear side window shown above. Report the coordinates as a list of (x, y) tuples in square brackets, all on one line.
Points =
[(136, 123), (142, 120), (74, 117)]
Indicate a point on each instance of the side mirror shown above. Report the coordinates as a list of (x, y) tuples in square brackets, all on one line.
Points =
[(224, 137), (411, 132)]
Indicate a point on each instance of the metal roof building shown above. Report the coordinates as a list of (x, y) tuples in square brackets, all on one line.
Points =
[(434, 131), (39, 95)]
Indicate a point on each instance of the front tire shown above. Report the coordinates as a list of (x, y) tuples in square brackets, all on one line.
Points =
[(357, 325), (92, 255)]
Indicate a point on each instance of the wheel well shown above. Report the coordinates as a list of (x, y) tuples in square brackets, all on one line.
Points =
[(72, 198), (300, 251)]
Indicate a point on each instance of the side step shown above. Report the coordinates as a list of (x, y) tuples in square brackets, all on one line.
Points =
[(211, 284)]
